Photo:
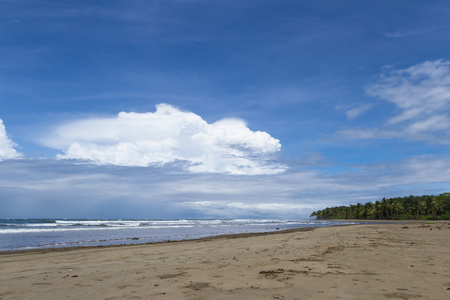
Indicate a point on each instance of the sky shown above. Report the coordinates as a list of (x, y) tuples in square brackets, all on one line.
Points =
[(220, 109)]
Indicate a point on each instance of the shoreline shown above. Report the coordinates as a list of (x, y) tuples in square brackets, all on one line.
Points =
[(208, 238), (30, 234), (361, 261), (213, 237)]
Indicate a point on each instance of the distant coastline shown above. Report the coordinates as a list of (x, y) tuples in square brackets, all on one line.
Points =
[(426, 207)]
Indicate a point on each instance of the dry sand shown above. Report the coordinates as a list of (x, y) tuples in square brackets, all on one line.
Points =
[(381, 261)]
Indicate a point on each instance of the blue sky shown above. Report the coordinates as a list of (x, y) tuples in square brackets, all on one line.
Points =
[(191, 108)]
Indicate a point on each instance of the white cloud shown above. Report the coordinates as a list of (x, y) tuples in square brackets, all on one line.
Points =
[(422, 95), (357, 111), (233, 209), (7, 150), (420, 91), (363, 133), (169, 136), (35, 188), (353, 110), (433, 123)]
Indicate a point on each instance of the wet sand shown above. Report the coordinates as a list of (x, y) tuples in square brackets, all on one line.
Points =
[(370, 261)]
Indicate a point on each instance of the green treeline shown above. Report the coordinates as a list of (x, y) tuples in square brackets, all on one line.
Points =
[(406, 208)]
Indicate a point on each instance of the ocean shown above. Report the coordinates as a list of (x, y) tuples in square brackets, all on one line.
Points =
[(22, 234)]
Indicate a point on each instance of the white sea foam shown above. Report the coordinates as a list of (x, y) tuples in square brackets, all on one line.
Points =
[(128, 223), (63, 229), (18, 234), (85, 225)]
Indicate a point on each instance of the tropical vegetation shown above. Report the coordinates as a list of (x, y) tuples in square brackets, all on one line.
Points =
[(400, 208)]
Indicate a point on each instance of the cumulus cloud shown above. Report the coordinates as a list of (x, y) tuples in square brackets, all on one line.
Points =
[(169, 136), (7, 150)]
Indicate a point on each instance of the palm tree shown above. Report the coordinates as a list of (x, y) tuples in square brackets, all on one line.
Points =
[(415, 207), (384, 208), (378, 210), (366, 210), (397, 208), (429, 205)]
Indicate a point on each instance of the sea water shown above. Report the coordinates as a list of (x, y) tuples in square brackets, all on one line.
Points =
[(21, 234)]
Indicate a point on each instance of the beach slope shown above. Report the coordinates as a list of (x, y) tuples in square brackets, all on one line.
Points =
[(370, 261)]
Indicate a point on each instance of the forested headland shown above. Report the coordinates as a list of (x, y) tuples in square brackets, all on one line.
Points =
[(401, 208)]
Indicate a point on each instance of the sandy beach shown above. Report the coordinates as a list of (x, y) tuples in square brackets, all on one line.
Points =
[(370, 261)]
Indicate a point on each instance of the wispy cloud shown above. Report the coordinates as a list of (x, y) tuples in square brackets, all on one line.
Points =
[(7, 146), (169, 136), (357, 111), (431, 124), (420, 91), (354, 111), (422, 95), (61, 189), (401, 33), (365, 133)]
